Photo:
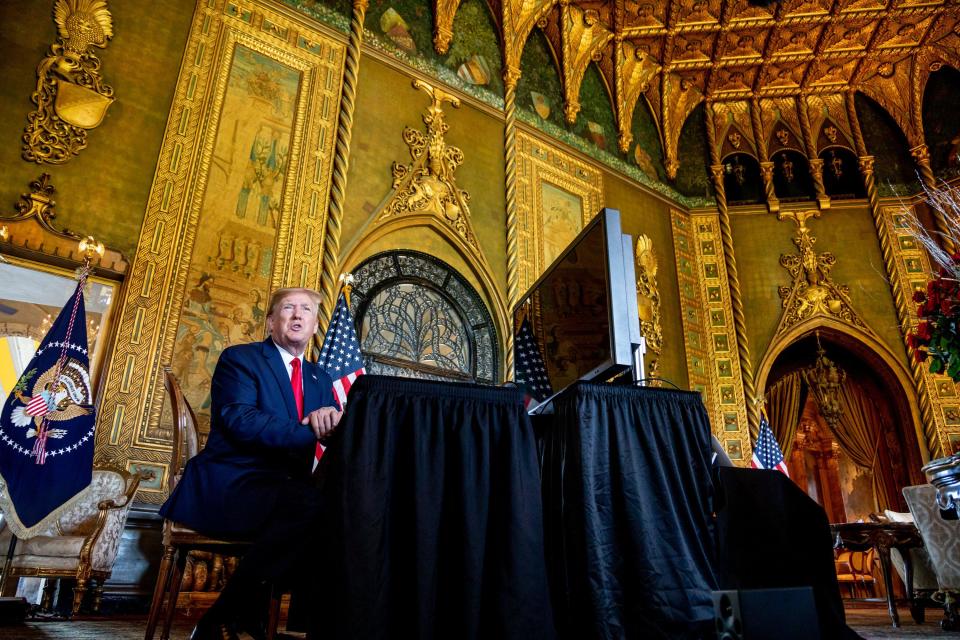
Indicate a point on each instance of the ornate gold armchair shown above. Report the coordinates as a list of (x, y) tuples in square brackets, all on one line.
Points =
[(83, 542)]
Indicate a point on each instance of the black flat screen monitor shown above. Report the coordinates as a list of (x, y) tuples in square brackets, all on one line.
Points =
[(574, 323)]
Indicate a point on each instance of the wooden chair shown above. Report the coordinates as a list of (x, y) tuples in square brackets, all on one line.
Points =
[(178, 540), (855, 569)]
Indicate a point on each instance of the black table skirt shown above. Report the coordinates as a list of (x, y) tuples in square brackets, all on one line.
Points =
[(436, 522), (627, 496)]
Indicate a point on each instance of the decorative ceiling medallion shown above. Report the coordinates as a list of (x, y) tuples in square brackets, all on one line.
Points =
[(427, 185), (813, 292), (70, 96)]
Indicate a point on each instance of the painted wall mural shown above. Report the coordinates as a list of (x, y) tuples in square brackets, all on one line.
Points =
[(229, 276), (693, 176)]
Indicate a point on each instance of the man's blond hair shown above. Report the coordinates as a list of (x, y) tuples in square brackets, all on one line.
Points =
[(279, 295)]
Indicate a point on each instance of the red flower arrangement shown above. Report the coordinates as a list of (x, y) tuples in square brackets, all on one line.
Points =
[(937, 336)]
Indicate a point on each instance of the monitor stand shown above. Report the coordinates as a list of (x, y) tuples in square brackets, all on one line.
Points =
[(636, 368)]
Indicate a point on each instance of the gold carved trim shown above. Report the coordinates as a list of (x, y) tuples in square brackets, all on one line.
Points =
[(31, 234), (150, 309), (71, 97), (648, 300), (539, 162), (710, 335), (912, 272)]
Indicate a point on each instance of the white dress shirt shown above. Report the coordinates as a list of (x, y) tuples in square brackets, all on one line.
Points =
[(287, 359)]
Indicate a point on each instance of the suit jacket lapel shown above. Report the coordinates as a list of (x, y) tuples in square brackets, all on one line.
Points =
[(311, 387), (275, 364)]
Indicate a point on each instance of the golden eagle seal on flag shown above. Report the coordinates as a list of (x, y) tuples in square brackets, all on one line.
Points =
[(58, 400)]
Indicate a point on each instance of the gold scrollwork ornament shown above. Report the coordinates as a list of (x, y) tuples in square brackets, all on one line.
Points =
[(648, 299), (71, 96)]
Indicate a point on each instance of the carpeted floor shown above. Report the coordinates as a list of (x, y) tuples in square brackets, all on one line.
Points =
[(870, 623)]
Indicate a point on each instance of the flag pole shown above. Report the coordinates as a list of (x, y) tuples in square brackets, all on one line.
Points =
[(89, 248), (346, 286)]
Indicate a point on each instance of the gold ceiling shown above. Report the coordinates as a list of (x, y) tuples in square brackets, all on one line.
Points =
[(678, 53)]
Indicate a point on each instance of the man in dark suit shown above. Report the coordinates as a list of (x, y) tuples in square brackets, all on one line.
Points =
[(252, 479)]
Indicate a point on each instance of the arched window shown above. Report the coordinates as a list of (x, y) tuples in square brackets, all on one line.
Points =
[(417, 317)]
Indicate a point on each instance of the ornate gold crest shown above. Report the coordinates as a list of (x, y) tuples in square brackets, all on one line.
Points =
[(427, 185), (813, 292), (70, 96)]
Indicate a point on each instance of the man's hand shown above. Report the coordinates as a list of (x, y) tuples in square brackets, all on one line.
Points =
[(323, 421)]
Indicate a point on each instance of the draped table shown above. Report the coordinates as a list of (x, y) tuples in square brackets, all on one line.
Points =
[(883, 536), (627, 498), (435, 518)]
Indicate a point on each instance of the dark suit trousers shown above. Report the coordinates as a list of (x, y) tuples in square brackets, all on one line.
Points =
[(285, 556)]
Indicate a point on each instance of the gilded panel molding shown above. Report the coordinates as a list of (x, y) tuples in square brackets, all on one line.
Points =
[(648, 300), (556, 195), (223, 169), (913, 270), (71, 97), (710, 338)]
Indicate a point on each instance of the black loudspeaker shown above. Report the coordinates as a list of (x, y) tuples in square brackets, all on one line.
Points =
[(766, 614)]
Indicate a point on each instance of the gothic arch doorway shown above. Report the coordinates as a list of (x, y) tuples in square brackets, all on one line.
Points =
[(417, 317), (846, 422)]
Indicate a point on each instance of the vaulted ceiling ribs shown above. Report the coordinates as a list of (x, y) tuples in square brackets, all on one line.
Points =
[(677, 53)]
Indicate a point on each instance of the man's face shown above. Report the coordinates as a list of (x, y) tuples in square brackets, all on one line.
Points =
[(293, 322)]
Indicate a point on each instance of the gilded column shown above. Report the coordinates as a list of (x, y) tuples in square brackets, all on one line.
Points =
[(889, 262), (816, 164), (510, 79), (338, 183), (921, 156), (736, 297), (766, 167)]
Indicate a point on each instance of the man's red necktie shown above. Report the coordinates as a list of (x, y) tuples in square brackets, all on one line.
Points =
[(296, 381)]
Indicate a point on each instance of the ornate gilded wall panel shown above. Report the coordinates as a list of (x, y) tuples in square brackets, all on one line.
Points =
[(556, 195), (709, 336), (236, 209), (912, 273)]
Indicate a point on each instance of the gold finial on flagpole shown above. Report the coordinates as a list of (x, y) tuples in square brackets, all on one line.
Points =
[(346, 285), (89, 247)]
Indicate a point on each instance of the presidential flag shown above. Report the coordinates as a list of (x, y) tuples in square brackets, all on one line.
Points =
[(529, 369), (46, 426), (340, 354), (766, 451)]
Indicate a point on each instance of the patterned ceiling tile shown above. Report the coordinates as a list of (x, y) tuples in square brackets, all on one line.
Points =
[(745, 11), (785, 76), (795, 39), (743, 45), (733, 81), (907, 33), (697, 12), (644, 13), (798, 8), (831, 73), (849, 35), (696, 46)]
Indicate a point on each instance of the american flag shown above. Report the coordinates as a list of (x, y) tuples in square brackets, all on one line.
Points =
[(528, 367), (340, 355), (766, 451)]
